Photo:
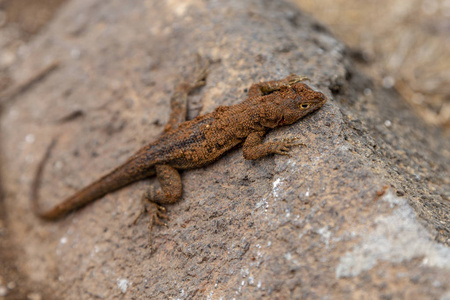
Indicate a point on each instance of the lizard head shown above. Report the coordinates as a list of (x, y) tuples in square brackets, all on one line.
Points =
[(293, 103)]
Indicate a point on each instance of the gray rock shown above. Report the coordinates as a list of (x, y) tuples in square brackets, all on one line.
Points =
[(361, 212)]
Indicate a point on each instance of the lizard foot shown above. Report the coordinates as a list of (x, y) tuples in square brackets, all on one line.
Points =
[(283, 147), (156, 213), (293, 79), (200, 73)]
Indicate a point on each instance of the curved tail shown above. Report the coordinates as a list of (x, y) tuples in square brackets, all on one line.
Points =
[(116, 179), (37, 183)]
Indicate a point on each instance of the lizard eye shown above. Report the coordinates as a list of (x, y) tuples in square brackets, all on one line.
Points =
[(304, 105)]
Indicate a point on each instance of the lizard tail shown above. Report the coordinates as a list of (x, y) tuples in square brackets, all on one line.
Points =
[(37, 182), (116, 179)]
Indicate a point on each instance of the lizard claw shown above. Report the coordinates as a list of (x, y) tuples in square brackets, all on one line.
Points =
[(283, 147), (290, 142), (200, 73), (293, 79), (156, 213)]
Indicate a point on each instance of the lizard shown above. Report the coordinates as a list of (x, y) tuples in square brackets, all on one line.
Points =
[(197, 143)]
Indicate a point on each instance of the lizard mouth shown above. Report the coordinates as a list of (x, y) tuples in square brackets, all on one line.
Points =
[(282, 121)]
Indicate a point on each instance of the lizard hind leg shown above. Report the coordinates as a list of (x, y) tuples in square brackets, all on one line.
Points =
[(170, 192), (179, 99)]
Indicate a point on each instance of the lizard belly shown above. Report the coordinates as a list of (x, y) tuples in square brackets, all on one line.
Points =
[(196, 144), (201, 155)]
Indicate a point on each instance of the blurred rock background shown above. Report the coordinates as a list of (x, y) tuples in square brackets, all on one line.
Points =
[(400, 44), (19, 21)]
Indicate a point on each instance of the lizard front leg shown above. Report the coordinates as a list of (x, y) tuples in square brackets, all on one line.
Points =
[(264, 88), (170, 192), (254, 148)]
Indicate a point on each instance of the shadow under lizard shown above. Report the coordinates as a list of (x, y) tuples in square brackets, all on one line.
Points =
[(196, 143)]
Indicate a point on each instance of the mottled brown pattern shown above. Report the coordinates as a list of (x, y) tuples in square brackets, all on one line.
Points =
[(199, 142)]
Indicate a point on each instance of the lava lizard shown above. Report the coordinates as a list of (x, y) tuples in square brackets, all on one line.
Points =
[(196, 143)]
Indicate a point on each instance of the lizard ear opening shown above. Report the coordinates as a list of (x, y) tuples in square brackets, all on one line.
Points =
[(271, 123)]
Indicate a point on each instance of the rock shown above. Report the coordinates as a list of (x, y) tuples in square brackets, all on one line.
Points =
[(362, 211)]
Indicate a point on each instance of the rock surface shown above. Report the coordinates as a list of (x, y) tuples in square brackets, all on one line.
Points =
[(363, 211)]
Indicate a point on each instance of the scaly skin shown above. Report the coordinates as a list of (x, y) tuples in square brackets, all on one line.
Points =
[(199, 142)]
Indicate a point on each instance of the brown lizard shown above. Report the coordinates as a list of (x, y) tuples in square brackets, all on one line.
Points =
[(198, 142)]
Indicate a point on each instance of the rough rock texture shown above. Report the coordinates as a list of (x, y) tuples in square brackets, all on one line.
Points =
[(363, 211)]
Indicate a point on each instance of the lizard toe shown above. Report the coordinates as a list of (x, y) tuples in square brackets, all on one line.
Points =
[(293, 79)]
